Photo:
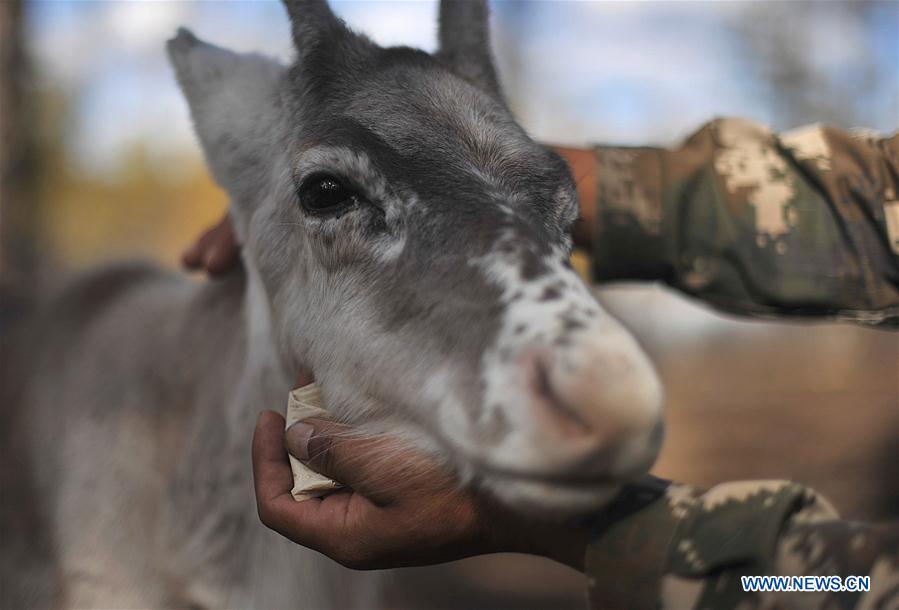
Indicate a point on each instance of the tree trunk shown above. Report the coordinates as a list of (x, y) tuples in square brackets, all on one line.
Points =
[(18, 166)]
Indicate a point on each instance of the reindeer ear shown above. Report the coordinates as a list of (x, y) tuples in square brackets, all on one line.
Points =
[(234, 101), (313, 23), (465, 43)]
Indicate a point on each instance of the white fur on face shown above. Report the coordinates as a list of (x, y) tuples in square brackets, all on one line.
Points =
[(529, 320), (554, 318)]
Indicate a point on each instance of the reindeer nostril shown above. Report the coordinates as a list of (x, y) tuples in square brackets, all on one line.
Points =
[(565, 417)]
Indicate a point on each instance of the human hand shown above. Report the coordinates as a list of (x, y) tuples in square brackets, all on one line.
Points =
[(216, 250), (400, 508)]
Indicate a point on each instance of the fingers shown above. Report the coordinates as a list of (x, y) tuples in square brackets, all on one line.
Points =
[(271, 469), (216, 251), (195, 256), (347, 525), (224, 253), (380, 468), (303, 522), (328, 453), (192, 258)]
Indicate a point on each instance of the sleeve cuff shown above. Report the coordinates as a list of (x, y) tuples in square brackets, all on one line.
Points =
[(659, 530), (628, 234)]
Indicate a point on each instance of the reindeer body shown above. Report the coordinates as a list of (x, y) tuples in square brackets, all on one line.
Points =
[(144, 381), (403, 236)]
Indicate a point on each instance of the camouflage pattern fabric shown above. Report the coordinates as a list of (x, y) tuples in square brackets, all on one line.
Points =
[(804, 223), (667, 545)]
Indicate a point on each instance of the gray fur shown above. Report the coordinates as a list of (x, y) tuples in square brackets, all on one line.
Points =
[(439, 307), (465, 43)]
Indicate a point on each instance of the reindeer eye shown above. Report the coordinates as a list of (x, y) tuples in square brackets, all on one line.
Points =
[(324, 194)]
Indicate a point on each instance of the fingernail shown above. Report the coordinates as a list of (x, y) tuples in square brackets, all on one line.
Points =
[(296, 438)]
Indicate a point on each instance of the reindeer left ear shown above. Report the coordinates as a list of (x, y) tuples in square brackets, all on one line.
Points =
[(465, 43), (235, 104)]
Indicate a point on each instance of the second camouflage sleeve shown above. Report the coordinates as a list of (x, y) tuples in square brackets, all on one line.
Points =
[(669, 545), (804, 223)]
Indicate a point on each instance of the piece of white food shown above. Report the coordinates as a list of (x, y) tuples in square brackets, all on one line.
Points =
[(304, 403)]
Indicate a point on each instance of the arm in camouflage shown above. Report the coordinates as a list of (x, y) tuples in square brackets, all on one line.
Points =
[(805, 223), (667, 545)]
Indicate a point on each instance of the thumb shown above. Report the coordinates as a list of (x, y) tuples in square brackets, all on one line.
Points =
[(380, 468)]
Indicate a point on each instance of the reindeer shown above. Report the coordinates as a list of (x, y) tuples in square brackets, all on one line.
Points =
[(404, 237)]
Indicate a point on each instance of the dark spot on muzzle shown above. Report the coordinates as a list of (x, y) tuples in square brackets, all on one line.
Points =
[(570, 324), (550, 294), (532, 266)]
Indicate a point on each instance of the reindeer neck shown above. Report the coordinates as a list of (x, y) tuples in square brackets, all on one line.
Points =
[(265, 378)]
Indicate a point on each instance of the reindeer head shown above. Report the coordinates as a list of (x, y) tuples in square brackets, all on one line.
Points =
[(411, 242)]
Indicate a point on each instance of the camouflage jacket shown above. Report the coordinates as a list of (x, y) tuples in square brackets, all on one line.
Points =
[(804, 223), (666, 545)]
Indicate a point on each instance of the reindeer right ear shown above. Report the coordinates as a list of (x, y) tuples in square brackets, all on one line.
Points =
[(319, 33), (465, 43), (235, 104), (313, 24)]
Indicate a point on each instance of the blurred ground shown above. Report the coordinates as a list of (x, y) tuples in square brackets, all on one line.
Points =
[(816, 403)]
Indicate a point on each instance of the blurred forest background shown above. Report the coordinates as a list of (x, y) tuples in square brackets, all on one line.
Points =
[(105, 150), (98, 162)]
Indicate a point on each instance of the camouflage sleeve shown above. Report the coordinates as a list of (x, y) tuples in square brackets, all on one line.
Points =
[(666, 545), (804, 223)]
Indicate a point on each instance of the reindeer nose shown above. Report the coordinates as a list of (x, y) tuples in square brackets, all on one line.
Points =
[(597, 403), (552, 412)]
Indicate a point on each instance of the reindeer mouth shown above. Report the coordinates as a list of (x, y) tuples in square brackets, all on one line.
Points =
[(573, 488), (572, 492), (552, 493), (552, 497), (560, 480)]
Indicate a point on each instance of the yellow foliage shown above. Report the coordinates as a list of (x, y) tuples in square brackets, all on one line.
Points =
[(580, 260), (141, 210)]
